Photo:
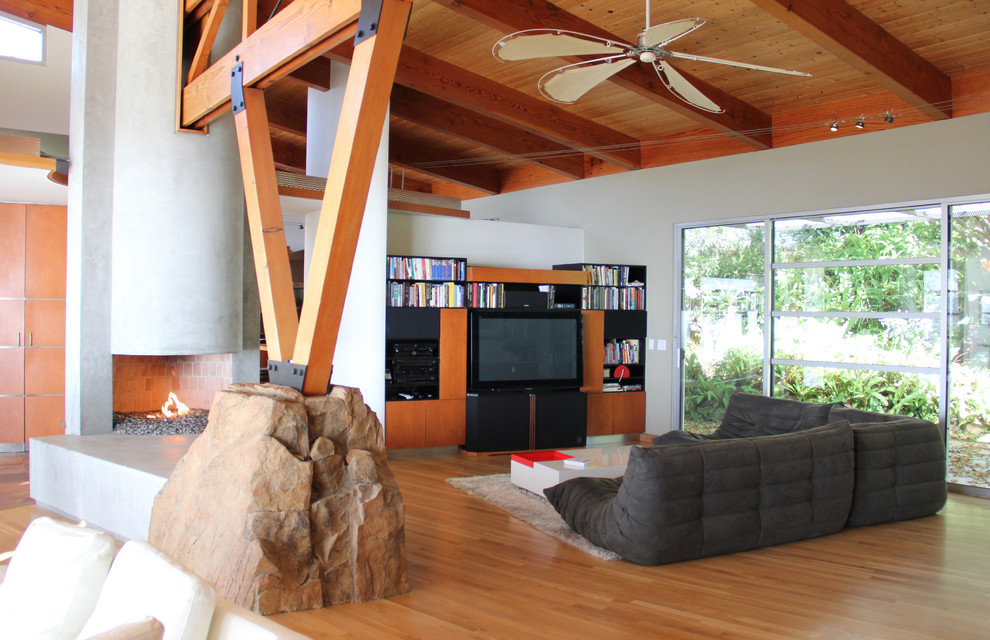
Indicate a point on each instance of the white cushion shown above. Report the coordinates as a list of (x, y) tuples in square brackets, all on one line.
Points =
[(53, 580), (147, 629), (142, 582)]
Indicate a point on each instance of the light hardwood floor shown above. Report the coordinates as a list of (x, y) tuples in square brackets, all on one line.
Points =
[(476, 572)]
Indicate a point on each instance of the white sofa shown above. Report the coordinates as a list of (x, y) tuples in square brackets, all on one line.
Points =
[(64, 583)]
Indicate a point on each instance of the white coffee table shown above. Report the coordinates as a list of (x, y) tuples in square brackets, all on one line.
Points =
[(541, 469)]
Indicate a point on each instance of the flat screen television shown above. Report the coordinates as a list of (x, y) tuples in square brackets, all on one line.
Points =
[(524, 350)]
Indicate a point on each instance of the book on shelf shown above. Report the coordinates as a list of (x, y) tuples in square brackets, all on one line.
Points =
[(613, 298), (486, 295), (425, 268), (425, 294), (622, 351), (607, 275)]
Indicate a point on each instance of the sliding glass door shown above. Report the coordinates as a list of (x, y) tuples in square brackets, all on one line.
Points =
[(969, 345), (722, 319)]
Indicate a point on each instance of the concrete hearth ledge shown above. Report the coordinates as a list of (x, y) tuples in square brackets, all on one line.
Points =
[(108, 481)]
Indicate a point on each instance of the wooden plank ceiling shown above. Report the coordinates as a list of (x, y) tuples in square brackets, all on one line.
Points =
[(467, 125)]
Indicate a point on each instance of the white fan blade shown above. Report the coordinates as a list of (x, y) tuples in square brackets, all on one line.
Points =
[(683, 89), (552, 43), (668, 32), (731, 63), (569, 83)]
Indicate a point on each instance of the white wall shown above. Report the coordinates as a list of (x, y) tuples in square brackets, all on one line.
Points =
[(35, 96), (485, 243), (359, 359), (630, 217)]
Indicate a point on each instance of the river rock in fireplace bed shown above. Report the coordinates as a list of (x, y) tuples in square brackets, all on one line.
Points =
[(154, 423)]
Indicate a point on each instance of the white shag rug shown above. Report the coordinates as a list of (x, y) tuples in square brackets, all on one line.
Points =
[(535, 510)]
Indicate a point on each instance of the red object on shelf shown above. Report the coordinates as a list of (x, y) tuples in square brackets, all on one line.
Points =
[(621, 371)]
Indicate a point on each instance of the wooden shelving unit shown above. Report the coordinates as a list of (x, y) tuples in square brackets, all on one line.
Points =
[(612, 412), (433, 414)]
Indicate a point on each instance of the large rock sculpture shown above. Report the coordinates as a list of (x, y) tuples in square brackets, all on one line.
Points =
[(286, 503)]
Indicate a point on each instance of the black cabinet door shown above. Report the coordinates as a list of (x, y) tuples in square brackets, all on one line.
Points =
[(561, 420), (497, 422)]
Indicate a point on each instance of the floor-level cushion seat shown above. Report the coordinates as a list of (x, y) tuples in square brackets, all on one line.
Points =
[(53, 581), (722, 496), (900, 471)]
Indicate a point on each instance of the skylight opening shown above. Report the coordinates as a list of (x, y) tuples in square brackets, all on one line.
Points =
[(21, 40)]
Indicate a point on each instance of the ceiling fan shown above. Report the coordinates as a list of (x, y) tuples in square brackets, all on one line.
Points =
[(568, 83)]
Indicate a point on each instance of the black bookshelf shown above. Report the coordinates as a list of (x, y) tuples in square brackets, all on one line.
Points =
[(425, 281)]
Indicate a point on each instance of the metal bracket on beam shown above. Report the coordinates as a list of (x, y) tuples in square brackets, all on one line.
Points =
[(371, 15), (237, 86), (287, 374)]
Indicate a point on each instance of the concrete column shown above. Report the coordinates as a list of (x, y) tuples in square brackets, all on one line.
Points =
[(88, 360), (360, 357), (156, 217), (178, 202)]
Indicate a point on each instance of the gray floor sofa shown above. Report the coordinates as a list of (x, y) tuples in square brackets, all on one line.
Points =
[(775, 471)]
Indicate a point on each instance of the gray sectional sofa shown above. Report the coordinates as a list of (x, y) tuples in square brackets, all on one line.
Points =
[(774, 471)]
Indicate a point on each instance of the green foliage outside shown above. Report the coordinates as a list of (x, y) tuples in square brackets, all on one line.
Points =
[(718, 259)]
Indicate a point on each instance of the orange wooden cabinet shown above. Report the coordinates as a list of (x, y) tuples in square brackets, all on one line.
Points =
[(32, 322), (411, 424), (616, 413)]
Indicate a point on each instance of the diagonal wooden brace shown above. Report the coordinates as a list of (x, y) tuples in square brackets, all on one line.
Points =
[(264, 215), (358, 136)]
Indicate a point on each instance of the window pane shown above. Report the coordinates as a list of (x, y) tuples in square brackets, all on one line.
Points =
[(908, 394), (890, 341), (722, 316), (908, 233), (969, 345), (21, 41), (893, 288)]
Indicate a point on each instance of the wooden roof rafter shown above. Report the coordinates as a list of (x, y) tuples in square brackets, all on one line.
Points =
[(852, 37), (57, 13), (498, 136), (739, 119), (434, 77)]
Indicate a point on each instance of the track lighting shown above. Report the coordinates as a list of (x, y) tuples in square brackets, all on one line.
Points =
[(861, 123), (889, 118), (834, 126)]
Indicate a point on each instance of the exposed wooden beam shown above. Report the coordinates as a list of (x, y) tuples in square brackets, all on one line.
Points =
[(287, 115), (359, 131), (739, 119), (852, 37), (201, 59), (436, 77), (249, 18), (289, 156), (299, 33), (465, 124), (425, 208), (412, 156), (458, 86), (315, 74), (57, 13), (264, 214)]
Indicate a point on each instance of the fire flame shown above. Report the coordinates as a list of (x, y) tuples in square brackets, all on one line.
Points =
[(173, 406)]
